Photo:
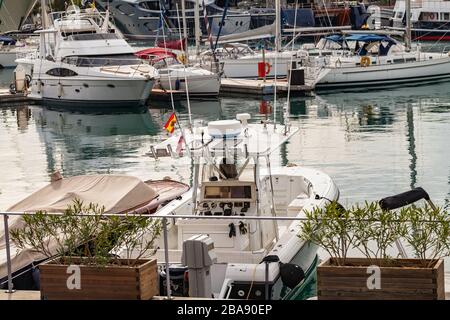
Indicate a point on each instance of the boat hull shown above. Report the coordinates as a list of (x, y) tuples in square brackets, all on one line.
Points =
[(92, 92), (387, 74), (248, 68), (199, 86)]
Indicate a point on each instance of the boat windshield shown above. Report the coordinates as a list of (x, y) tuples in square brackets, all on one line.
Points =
[(102, 61)]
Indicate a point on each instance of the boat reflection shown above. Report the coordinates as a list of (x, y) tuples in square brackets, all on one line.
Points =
[(95, 122)]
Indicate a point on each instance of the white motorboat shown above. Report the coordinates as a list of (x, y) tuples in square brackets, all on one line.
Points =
[(81, 60), (233, 178), (372, 59), (173, 75)]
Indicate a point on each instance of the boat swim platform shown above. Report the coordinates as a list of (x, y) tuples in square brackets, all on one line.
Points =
[(7, 97), (261, 87)]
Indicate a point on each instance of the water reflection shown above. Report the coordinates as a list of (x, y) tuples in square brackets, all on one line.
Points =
[(373, 144), (6, 76)]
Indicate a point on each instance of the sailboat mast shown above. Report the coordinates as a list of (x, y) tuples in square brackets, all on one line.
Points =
[(185, 36), (197, 27), (278, 25), (44, 18), (408, 24)]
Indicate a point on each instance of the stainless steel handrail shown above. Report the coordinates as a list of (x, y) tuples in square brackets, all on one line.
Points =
[(164, 218)]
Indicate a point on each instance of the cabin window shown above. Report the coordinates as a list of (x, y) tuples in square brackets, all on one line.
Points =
[(93, 36), (228, 192), (428, 16), (61, 72), (103, 61), (446, 16)]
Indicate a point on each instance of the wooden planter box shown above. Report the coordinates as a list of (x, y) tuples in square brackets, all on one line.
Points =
[(400, 279), (114, 282)]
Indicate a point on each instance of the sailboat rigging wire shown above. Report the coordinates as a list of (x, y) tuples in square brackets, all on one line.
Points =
[(171, 95), (221, 24), (277, 35), (326, 11), (184, 44)]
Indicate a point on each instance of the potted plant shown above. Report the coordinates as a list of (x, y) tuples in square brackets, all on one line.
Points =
[(374, 232), (83, 245)]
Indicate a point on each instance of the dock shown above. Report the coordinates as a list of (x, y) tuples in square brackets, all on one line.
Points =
[(7, 98), (263, 87)]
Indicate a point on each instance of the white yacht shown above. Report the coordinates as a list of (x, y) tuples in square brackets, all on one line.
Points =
[(82, 60), (141, 19), (173, 75), (233, 177), (369, 59)]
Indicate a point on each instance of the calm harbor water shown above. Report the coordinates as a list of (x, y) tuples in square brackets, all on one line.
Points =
[(373, 144)]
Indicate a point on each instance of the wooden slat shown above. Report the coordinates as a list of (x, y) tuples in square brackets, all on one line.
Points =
[(112, 282), (411, 282)]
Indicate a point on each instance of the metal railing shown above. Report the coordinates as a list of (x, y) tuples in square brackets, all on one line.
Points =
[(164, 219)]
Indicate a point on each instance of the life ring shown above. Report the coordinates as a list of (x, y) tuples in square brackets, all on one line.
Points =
[(365, 61), (432, 16), (28, 80), (182, 59)]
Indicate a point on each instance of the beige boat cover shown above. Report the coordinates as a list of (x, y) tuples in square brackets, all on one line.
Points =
[(117, 193)]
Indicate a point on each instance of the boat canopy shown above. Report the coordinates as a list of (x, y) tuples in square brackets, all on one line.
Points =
[(158, 53), (361, 37), (116, 193)]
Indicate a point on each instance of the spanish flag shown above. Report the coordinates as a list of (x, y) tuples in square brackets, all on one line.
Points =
[(170, 124)]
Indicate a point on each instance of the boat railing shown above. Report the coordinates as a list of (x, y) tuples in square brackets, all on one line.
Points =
[(164, 218), (445, 50)]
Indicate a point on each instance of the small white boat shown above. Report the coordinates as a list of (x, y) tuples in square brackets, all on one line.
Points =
[(173, 75), (82, 61), (233, 178)]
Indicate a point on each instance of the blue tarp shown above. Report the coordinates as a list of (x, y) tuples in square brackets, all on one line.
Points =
[(7, 40)]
